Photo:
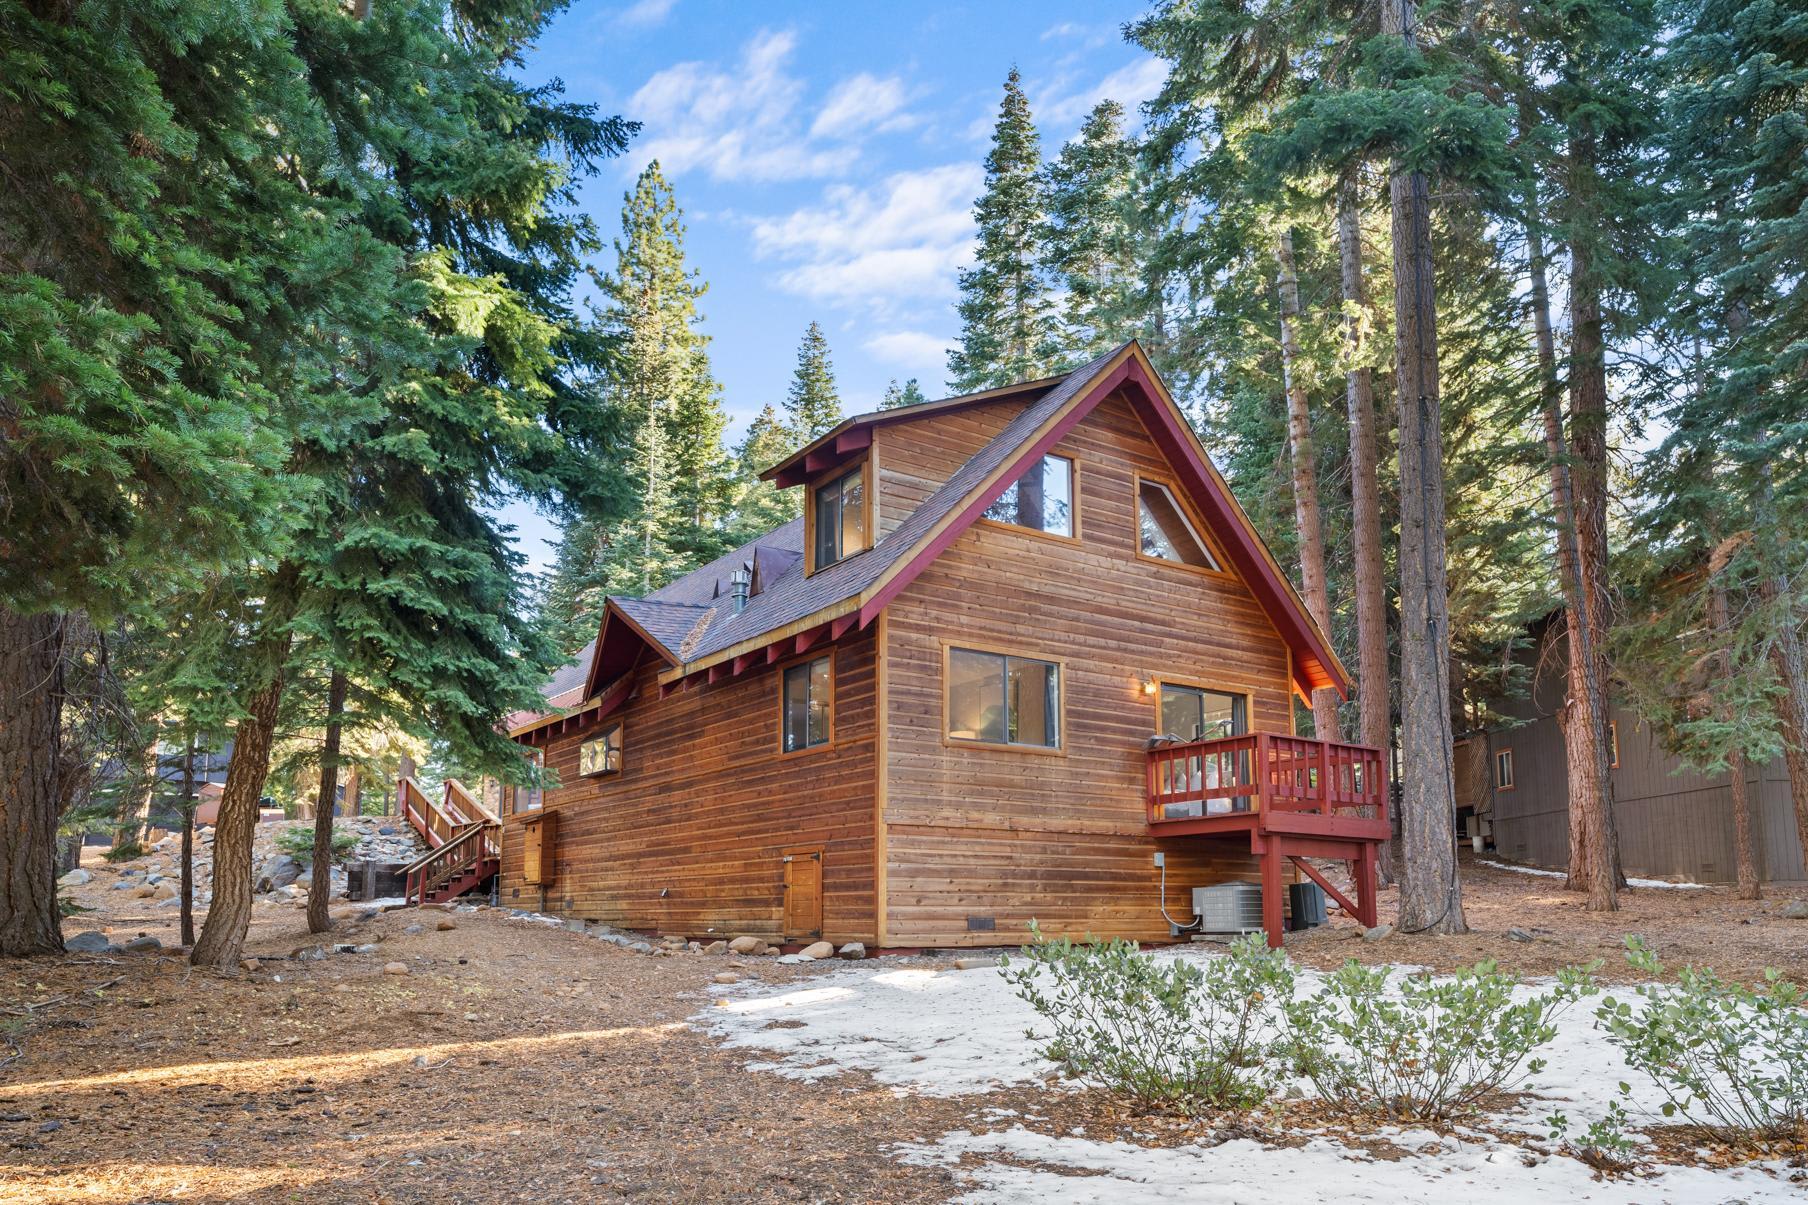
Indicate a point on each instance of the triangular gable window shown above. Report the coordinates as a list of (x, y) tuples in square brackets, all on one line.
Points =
[(1165, 531)]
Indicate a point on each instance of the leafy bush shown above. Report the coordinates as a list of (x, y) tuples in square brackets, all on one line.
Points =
[(1734, 1055), (1430, 1050), (298, 843), (1174, 1033), (1603, 1144)]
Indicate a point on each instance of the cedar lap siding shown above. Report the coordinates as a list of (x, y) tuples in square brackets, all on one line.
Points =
[(921, 840)]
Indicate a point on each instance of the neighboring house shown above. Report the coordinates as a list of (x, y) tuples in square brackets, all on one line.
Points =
[(921, 714), (1673, 822)]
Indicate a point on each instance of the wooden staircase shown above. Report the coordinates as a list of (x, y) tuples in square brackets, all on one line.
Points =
[(464, 842)]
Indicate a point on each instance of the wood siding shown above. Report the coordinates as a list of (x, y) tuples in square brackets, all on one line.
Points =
[(690, 838), (916, 457), (976, 836), (1672, 821)]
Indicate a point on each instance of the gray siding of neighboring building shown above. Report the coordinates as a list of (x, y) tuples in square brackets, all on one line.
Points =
[(1673, 822)]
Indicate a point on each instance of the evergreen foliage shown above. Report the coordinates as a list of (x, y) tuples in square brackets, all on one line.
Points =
[(1008, 331), (907, 394), (812, 405)]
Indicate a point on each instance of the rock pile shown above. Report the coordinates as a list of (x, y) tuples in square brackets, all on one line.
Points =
[(277, 876), (746, 945)]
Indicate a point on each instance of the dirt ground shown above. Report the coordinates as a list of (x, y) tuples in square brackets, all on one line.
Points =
[(517, 1061)]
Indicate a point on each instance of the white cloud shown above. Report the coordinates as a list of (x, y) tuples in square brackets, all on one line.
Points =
[(862, 102), (644, 14), (1130, 85), (919, 350), (746, 121), (900, 240)]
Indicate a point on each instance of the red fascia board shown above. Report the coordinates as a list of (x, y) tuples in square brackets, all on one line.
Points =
[(1251, 561)]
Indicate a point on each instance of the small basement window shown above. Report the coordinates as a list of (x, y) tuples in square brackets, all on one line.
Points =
[(1164, 530), (602, 755), (1041, 500), (999, 699), (806, 701), (838, 515), (1503, 770)]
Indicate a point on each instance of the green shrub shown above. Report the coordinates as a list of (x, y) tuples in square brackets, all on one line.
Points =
[(298, 843), (1173, 1033), (1603, 1144), (1430, 1050), (1734, 1056)]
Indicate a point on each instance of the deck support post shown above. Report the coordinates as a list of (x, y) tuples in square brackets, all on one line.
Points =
[(1273, 922), (1370, 914)]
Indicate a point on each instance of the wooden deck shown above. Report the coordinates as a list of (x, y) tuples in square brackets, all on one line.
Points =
[(1295, 798)]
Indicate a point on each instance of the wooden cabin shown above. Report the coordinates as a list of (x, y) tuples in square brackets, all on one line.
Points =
[(921, 715)]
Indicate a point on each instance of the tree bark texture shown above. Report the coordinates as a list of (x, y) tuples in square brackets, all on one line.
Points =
[(31, 713), (320, 888), (1594, 838), (1584, 716), (1430, 891), (135, 809), (188, 843), (1304, 460), (1374, 681)]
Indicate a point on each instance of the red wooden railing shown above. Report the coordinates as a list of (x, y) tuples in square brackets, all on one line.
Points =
[(462, 835), (1263, 771)]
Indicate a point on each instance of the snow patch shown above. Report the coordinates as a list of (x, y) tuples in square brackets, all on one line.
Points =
[(1558, 874)]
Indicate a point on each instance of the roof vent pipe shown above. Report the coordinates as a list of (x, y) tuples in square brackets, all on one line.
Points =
[(740, 581)]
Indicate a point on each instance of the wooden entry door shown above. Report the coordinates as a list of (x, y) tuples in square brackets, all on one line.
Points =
[(803, 894)]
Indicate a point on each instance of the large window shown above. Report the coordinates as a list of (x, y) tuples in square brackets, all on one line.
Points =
[(807, 699), (1195, 714), (998, 699), (1042, 499), (839, 514), (1165, 531), (1503, 770), (602, 755)]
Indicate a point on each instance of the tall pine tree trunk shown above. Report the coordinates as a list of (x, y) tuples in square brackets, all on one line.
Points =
[(31, 713), (1594, 857), (1430, 891), (1325, 725), (188, 842), (1374, 694), (1584, 715), (229, 915), (320, 889), (1745, 853)]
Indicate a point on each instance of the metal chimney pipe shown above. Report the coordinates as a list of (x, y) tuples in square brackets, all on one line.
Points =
[(740, 582)]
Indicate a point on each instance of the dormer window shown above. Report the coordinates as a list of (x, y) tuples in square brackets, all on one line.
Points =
[(838, 517)]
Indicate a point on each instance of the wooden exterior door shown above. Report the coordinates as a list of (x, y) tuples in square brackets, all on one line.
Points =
[(803, 894)]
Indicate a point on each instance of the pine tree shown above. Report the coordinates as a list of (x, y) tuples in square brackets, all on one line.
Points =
[(812, 406), (455, 395), (907, 394), (1094, 252), (1007, 319), (759, 506)]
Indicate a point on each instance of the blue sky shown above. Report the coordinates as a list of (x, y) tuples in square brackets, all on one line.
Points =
[(827, 158)]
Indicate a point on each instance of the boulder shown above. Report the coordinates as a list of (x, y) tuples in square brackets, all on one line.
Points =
[(727, 977), (1518, 934), (1796, 910), (143, 892), (446, 925), (75, 878), (854, 950), (746, 945), (395, 968), (974, 964), (1378, 933), (164, 891), (411, 930), (794, 959), (819, 949), (142, 943), (716, 947), (278, 871), (91, 942)]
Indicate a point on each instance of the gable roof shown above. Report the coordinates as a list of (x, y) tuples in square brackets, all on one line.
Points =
[(692, 626)]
